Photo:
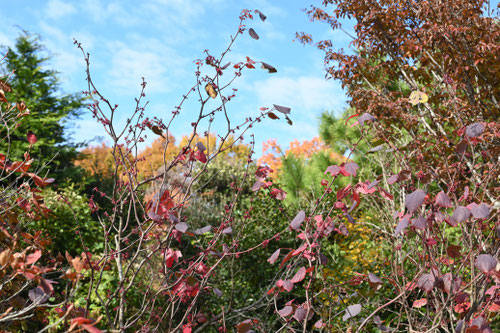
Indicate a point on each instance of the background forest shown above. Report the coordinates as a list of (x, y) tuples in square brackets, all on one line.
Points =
[(386, 222)]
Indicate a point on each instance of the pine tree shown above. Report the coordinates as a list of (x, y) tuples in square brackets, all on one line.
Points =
[(51, 110)]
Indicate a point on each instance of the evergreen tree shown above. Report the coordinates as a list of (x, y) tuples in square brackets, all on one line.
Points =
[(50, 109)]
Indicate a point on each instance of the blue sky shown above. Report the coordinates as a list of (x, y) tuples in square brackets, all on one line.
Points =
[(160, 39)]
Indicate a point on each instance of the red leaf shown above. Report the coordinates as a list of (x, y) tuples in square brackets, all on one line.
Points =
[(32, 258), (299, 276), (200, 156), (32, 139), (385, 194), (244, 326), (419, 302), (286, 311), (272, 259), (287, 257), (91, 329), (354, 115)]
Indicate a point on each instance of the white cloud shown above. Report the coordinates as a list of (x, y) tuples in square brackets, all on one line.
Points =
[(159, 64), (303, 93), (56, 9)]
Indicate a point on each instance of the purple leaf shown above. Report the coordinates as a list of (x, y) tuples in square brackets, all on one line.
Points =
[(200, 146), (272, 259), (374, 281), (460, 214), (257, 185), (181, 227), (300, 314), (153, 216), (286, 311), (228, 230), (226, 65), (451, 286), (443, 200), (419, 223), (439, 216), (366, 117), (426, 282), (375, 149), (480, 211), (414, 200), (350, 219), (392, 179), (352, 310), (372, 184), (474, 130), (485, 263), (343, 229), (261, 15), (297, 220), (203, 230), (217, 292), (253, 34), (402, 225), (38, 296), (282, 109), (323, 260), (351, 168), (334, 170)]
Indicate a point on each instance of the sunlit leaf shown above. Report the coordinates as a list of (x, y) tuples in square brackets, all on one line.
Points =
[(417, 97), (419, 302), (210, 89)]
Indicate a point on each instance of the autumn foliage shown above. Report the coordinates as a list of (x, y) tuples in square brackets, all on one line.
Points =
[(197, 237)]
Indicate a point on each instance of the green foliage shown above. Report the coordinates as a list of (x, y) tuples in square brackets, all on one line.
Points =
[(69, 222), (50, 109)]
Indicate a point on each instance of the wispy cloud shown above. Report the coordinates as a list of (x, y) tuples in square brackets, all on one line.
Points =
[(302, 93), (56, 9), (150, 58)]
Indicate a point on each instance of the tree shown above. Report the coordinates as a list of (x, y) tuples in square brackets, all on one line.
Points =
[(424, 84), (50, 110)]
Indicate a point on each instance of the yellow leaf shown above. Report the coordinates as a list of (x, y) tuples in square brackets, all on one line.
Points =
[(417, 97), (209, 88)]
